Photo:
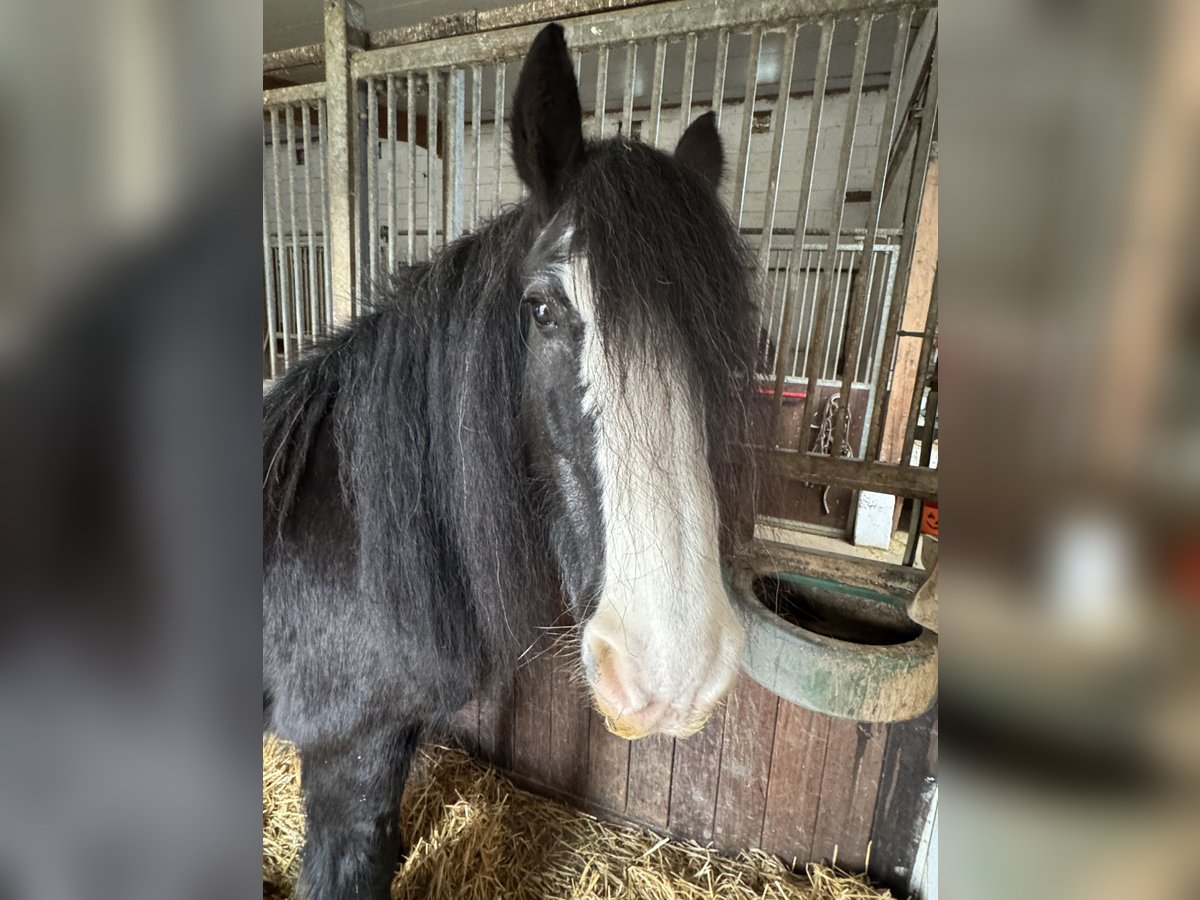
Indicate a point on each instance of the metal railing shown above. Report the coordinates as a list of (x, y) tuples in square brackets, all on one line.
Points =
[(826, 107)]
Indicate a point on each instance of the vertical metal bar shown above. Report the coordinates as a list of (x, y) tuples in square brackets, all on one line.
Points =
[(297, 288), (326, 260), (269, 280), (839, 188), (835, 290), (860, 347), (313, 292), (859, 305), (284, 299), (820, 78), (362, 194), (393, 147), (432, 79), (811, 277), (656, 89), (916, 189), (743, 159), (719, 66), (476, 125), (372, 192), (452, 159), (630, 85), (875, 355), (343, 23), (914, 408), (931, 407), (689, 79), (498, 129), (601, 89), (782, 101), (410, 96)]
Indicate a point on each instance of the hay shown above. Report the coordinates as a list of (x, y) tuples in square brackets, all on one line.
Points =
[(472, 835)]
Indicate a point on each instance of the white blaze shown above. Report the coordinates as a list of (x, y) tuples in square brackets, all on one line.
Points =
[(663, 608)]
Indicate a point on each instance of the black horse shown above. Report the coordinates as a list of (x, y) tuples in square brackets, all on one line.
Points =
[(554, 407)]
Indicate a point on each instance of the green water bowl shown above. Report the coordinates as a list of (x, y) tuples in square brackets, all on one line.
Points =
[(834, 648)]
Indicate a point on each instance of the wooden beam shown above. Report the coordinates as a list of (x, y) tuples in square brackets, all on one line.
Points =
[(886, 478), (912, 325)]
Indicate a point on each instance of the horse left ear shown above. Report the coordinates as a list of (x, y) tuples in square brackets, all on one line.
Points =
[(700, 149), (547, 120)]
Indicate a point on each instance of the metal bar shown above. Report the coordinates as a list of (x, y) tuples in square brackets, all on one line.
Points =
[(743, 159), (601, 89), (284, 307), (719, 66), (829, 338), (912, 209), (410, 96), (689, 79), (859, 307), (656, 89), (293, 58), (914, 408), (839, 194), (476, 128), (498, 128), (393, 171), (297, 290), (820, 78), (782, 101), (308, 223), (876, 357), (269, 281), (432, 79), (452, 162), (323, 133), (298, 93), (371, 195), (630, 85), (672, 19), (910, 550), (341, 16)]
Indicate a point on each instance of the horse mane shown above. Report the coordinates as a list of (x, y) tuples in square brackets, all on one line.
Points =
[(420, 398)]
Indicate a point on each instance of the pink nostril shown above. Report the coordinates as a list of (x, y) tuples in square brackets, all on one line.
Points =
[(623, 698)]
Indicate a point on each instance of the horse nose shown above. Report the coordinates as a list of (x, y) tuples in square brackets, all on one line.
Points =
[(635, 703)]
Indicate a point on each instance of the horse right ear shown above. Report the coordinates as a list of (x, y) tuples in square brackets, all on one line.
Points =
[(700, 149), (547, 120)]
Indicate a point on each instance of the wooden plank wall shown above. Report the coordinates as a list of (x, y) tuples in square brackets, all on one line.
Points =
[(762, 773)]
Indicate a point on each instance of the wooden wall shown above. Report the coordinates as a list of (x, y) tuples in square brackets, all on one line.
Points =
[(762, 773)]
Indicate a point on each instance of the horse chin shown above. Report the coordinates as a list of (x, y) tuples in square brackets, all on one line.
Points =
[(625, 728)]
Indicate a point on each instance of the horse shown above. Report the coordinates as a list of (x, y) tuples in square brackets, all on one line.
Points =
[(549, 417)]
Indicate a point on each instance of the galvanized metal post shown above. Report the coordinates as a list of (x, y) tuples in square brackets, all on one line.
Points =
[(343, 21)]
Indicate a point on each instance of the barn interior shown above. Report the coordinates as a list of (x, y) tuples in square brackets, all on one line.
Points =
[(828, 117)]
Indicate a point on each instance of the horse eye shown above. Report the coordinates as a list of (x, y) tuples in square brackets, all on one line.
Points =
[(543, 315)]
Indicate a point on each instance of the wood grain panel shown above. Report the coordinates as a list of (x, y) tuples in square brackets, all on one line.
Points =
[(849, 786), (694, 781), (496, 716), (745, 765), (908, 764), (608, 767), (569, 723), (794, 792), (534, 697), (651, 760)]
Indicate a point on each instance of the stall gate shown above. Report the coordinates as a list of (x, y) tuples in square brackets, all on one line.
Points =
[(826, 109)]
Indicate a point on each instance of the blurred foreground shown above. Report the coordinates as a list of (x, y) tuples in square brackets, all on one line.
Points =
[(129, 458)]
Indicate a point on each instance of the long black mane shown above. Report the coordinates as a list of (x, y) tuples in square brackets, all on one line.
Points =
[(409, 420)]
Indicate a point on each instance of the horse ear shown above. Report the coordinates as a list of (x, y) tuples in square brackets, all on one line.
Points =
[(700, 149), (547, 121)]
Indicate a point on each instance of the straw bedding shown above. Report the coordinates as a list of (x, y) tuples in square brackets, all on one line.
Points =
[(472, 835)]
